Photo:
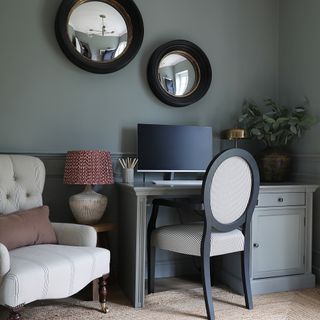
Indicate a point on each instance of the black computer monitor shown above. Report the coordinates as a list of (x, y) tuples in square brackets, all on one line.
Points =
[(174, 148)]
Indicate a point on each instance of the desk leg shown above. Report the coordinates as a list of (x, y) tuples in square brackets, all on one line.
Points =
[(141, 251), (133, 246)]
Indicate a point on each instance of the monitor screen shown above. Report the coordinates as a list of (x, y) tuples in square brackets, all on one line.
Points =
[(170, 148)]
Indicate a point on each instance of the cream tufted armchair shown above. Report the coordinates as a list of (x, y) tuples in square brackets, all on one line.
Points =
[(58, 270)]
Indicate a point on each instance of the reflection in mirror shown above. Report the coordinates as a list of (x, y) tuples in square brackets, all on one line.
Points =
[(177, 74), (98, 31)]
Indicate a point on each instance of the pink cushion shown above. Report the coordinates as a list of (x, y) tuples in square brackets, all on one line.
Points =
[(26, 228)]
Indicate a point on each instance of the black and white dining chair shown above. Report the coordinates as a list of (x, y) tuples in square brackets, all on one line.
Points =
[(229, 194)]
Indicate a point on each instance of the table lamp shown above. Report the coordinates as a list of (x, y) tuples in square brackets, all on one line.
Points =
[(234, 134), (88, 167)]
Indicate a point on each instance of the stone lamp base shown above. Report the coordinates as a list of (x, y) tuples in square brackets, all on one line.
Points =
[(88, 206)]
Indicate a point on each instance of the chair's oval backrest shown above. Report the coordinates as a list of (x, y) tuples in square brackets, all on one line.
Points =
[(21, 182), (230, 189)]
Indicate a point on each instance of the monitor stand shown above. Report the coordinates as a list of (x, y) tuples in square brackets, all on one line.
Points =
[(168, 180), (168, 176)]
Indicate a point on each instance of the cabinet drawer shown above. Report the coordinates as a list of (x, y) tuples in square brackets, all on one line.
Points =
[(281, 199)]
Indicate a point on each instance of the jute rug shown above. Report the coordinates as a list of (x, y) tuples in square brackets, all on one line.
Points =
[(185, 304)]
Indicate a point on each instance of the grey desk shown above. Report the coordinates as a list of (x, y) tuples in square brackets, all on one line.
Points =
[(132, 227), (283, 210)]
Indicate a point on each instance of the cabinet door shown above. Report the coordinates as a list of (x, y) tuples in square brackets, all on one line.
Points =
[(277, 242)]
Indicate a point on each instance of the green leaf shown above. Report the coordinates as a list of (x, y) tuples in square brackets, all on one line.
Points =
[(276, 125), (243, 117), (255, 132), (293, 129), (282, 119), (259, 125), (268, 119), (266, 128)]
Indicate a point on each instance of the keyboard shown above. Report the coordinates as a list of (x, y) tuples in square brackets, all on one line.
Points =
[(177, 182)]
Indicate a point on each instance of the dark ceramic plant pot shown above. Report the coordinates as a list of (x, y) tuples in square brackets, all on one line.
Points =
[(274, 165)]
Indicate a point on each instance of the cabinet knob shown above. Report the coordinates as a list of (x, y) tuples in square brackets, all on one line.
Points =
[(256, 245), (280, 199)]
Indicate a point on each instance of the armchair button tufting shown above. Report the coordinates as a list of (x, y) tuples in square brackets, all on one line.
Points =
[(27, 195), (8, 196)]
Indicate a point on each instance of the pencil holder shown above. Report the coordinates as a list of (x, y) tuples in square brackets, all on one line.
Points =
[(128, 175)]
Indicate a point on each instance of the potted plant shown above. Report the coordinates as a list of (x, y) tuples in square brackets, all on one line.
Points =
[(277, 127)]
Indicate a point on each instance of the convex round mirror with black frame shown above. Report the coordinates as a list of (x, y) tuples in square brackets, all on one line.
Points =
[(99, 36), (179, 73)]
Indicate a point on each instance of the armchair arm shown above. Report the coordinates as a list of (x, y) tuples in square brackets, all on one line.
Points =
[(71, 234), (4, 261)]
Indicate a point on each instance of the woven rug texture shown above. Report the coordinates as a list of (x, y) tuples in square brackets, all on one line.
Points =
[(184, 304)]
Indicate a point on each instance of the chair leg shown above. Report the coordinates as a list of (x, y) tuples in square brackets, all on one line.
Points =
[(212, 280), (206, 283), (103, 293), (151, 267), (246, 279)]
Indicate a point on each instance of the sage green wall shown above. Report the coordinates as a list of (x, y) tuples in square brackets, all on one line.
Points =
[(49, 105), (299, 62)]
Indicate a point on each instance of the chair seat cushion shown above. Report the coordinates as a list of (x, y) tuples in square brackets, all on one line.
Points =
[(51, 271), (186, 239)]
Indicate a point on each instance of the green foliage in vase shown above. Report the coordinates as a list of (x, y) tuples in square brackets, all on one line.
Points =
[(275, 125)]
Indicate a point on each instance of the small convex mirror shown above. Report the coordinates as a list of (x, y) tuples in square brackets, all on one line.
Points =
[(179, 73)]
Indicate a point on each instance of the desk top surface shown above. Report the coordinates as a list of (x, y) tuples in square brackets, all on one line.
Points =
[(149, 188)]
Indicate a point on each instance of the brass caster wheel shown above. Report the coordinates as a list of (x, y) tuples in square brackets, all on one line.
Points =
[(104, 308)]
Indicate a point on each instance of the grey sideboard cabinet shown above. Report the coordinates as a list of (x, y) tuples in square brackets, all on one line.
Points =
[(281, 241)]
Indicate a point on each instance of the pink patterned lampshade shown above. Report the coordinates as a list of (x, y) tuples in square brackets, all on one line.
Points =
[(88, 167)]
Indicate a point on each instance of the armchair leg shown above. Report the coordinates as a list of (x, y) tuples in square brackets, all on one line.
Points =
[(103, 293), (14, 313)]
